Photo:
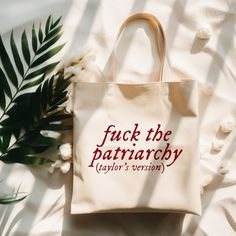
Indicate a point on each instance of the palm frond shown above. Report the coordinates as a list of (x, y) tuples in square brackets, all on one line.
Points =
[(35, 111), (10, 199), (27, 113), (32, 65)]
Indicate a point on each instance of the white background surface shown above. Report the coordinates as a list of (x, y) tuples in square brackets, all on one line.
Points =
[(92, 22)]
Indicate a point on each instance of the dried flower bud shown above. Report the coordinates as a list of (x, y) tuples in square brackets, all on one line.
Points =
[(65, 167), (51, 169), (217, 145), (204, 32), (227, 125), (72, 71), (65, 151), (224, 168), (57, 164)]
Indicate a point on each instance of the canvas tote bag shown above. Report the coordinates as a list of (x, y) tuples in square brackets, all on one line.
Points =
[(136, 144)]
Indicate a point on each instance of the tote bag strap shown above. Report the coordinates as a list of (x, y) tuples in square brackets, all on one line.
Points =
[(159, 38)]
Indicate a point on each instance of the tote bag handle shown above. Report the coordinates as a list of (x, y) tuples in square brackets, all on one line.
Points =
[(159, 38)]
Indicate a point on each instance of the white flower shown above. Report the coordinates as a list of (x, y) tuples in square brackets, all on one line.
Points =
[(78, 65), (57, 164), (225, 168), (217, 145), (65, 167), (51, 169), (85, 76), (65, 151), (72, 70), (227, 125), (87, 53), (204, 32), (51, 134), (69, 106)]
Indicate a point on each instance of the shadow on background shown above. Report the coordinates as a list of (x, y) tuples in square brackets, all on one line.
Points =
[(117, 224)]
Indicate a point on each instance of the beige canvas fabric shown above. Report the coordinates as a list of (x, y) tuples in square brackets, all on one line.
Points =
[(136, 144)]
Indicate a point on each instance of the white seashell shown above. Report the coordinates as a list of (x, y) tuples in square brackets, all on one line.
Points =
[(204, 32), (57, 164), (65, 151), (208, 89), (51, 169), (65, 167), (225, 168), (227, 125), (217, 145)]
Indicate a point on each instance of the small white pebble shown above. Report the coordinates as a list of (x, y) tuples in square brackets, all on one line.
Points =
[(51, 169), (65, 167), (227, 125), (204, 32), (65, 151), (208, 89), (217, 145), (57, 164), (224, 168)]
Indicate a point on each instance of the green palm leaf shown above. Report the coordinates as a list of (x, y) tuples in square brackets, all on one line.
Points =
[(7, 65), (56, 23), (27, 113), (40, 34), (25, 156), (2, 96), (34, 40), (48, 23), (44, 70), (16, 56), (34, 83), (25, 47), (4, 84), (49, 43), (53, 33), (47, 55), (14, 198)]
